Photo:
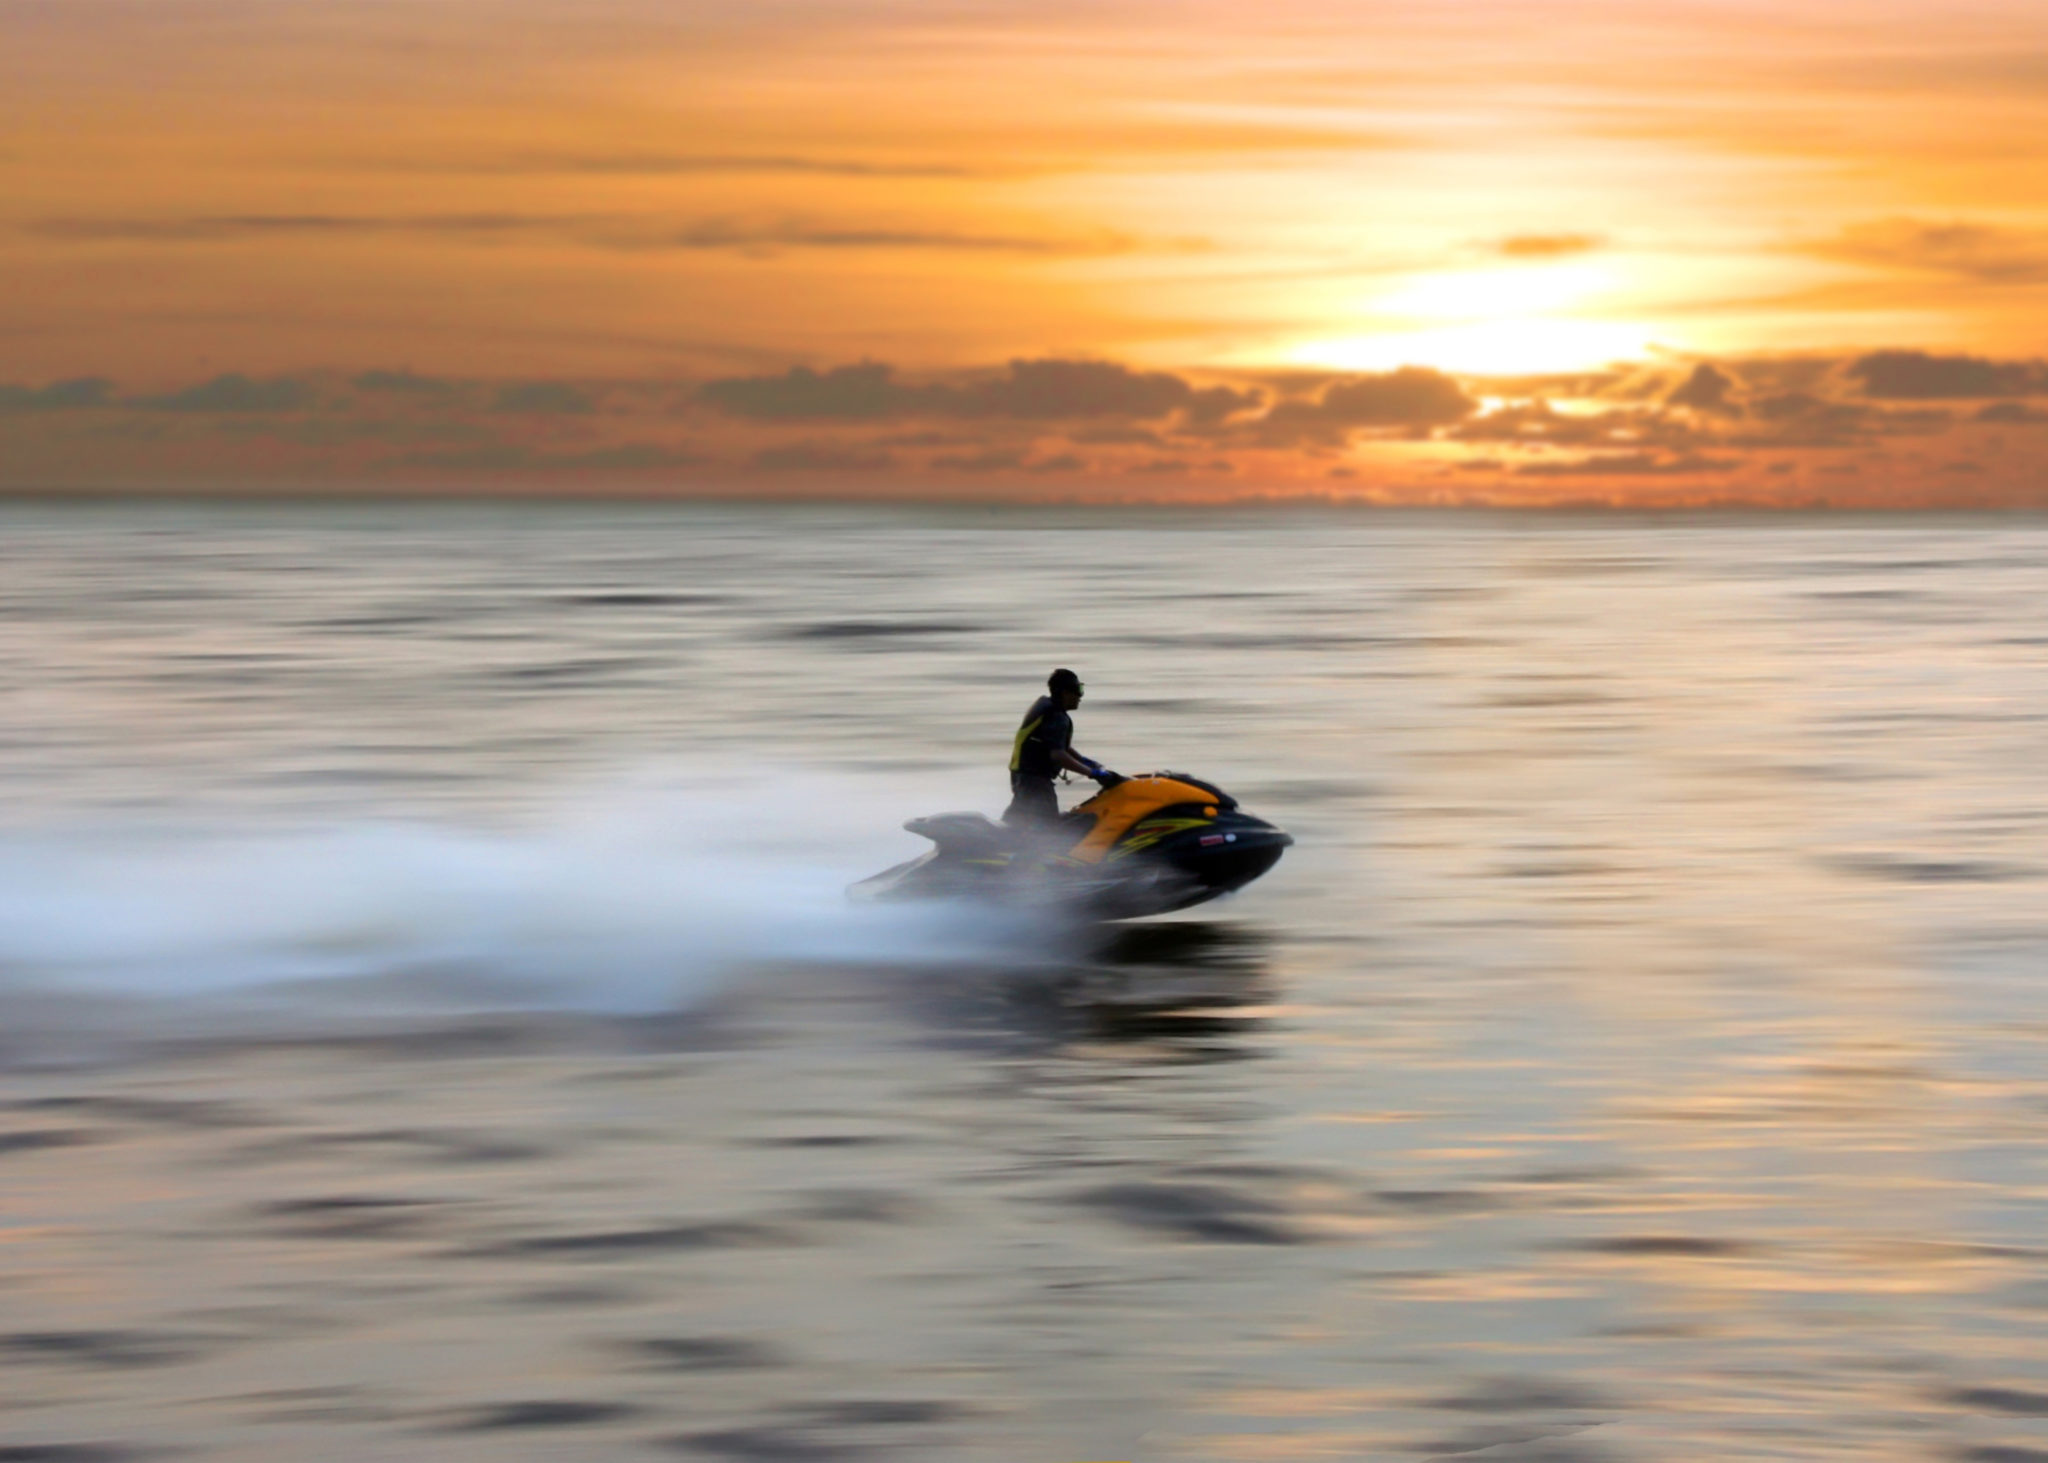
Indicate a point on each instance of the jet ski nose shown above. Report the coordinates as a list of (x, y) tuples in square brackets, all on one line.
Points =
[(1258, 831)]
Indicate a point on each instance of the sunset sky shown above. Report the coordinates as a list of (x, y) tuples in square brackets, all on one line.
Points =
[(1476, 251)]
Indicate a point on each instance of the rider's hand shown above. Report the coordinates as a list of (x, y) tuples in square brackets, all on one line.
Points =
[(1104, 776)]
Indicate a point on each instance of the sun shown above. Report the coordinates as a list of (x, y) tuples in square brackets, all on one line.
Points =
[(1504, 322)]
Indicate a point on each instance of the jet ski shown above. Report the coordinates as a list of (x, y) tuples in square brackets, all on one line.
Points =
[(1143, 845)]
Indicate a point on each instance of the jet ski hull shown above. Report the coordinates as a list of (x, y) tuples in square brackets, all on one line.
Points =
[(1149, 845)]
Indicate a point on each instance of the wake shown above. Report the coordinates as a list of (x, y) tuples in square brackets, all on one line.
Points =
[(647, 895)]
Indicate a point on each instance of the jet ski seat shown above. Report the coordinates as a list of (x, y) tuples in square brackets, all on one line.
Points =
[(971, 835)]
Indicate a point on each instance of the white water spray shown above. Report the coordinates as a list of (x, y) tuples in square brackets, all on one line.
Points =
[(645, 896)]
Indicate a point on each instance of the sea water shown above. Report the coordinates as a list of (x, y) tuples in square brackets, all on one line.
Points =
[(434, 1026)]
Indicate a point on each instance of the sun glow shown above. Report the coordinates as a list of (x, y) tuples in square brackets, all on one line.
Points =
[(1507, 321), (1514, 347), (1482, 294)]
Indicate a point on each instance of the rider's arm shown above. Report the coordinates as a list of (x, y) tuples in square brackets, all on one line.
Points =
[(1073, 761)]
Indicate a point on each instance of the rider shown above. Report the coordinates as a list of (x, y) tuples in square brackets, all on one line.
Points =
[(1044, 748)]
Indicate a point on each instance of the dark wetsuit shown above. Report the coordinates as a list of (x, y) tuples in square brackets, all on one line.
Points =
[(1034, 762)]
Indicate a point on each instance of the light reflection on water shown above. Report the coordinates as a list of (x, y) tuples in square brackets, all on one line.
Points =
[(1639, 1056)]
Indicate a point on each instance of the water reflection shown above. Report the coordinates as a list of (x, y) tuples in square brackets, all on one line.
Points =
[(1198, 988), (1194, 990)]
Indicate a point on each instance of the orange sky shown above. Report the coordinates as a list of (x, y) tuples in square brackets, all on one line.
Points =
[(626, 202)]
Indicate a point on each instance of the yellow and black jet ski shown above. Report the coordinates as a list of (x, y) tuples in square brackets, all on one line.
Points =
[(1143, 845)]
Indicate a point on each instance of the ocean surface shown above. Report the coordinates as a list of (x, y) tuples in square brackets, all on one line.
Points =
[(431, 1025)]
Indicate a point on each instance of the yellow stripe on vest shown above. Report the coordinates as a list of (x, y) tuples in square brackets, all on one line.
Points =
[(1017, 747)]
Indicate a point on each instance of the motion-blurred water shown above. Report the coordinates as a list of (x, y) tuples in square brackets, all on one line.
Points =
[(1640, 1055)]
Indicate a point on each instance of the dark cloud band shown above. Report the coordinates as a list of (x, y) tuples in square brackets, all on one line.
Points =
[(615, 232), (1029, 390)]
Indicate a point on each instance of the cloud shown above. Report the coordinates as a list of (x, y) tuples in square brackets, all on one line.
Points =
[(844, 393), (83, 392), (1626, 464), (336, 430), (1113, 420), (1215, 404), (1800, 419), (1977, 252), (233, 227), (1028, 390), (996, 459), (2012, 413), (508, 457), (1786, 373), (618, 232), (1700, 414), (1537, 422), (1798, 406), (628, 457), (1803, 419), (1066, 389), (234, 393), (544, 397), (822, 457), (1905, 375), (1414, 396), (1178, 466), (1000, 459), (1705, 390), (402, 383), (1548, 246), (795, 234), (1117, 435), (927, 439), (658, 164), (1569, 384)]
